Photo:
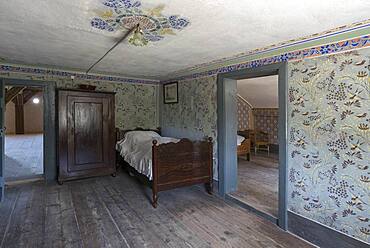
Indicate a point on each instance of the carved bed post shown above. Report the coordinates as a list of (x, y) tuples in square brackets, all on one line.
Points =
[(209, 185), (155, 173)]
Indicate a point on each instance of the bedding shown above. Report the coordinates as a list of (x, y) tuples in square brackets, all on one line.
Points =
[(136, 149), (239, 140)]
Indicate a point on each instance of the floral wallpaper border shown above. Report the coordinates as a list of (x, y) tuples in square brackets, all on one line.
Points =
[(284, 44), (136, 105), (54, 73), (342, 46)]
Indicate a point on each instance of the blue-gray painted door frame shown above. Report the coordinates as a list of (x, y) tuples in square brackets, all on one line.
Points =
[(50, 167), (2, 139), (227, 125)]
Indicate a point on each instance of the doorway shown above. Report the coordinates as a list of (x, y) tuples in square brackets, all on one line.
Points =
[(24, 128), (228, 139), (257, 144), (49, 127)]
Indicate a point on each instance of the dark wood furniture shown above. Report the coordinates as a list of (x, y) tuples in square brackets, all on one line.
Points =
[(178, 164), (244, 149), (86, 136)]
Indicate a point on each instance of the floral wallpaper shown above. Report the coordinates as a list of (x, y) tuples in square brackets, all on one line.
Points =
[(244, 114), (329, 141), (136, 104), (266, 119), (196, 110)]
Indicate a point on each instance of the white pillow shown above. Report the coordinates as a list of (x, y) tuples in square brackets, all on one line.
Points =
[(240, 139), (136, 137)]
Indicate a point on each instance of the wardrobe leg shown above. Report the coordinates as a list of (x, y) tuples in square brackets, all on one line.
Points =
[(209, 187), (155, 199)]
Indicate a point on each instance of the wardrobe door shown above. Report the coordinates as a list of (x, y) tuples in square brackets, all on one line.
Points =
[(89, 141)]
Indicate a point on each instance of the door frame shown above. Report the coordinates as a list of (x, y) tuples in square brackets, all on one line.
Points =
[(227, 129), (2, 139), (49, 135)]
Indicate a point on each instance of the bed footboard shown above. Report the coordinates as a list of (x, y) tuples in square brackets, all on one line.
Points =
[(181, 164), (245, 149)]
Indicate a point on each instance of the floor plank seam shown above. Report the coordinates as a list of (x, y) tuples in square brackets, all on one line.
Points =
[(10, 219), (111, 217), (164, 209), (116, 212), (45, 214), (75, 216)]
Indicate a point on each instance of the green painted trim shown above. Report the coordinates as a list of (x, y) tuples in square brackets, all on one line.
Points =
[(2, 140), (309, 44), (226, 127)]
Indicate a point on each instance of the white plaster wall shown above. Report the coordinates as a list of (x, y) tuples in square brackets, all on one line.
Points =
[(33, 116), (261, 92), (9, 118)]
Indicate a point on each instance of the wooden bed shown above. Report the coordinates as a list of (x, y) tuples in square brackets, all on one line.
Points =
[(244, 149), (175, 165)]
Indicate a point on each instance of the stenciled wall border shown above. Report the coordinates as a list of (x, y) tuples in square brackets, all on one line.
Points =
[(50, 73), (242, 57), (331, 48)]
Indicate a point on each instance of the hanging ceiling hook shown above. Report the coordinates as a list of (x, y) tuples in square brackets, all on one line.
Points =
[(117, 43)]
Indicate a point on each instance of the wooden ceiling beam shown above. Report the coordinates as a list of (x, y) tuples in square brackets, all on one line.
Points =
[(29, 93), (13, 92), (19, 114)]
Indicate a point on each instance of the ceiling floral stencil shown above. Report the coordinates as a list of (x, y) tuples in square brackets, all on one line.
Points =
[(329, 141), (126, 14)]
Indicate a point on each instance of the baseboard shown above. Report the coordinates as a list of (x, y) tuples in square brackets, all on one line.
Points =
[(1, 193), (248, 207), (25, 180), (319, 234), (215, 186)]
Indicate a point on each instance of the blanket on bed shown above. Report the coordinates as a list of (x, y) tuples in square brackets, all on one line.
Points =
[(136, 149)]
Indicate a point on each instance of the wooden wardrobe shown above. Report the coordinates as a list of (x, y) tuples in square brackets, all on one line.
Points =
[(86, 134)]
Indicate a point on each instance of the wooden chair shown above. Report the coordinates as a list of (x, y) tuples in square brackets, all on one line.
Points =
[(261, 142)]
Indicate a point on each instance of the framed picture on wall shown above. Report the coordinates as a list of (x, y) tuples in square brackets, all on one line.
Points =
[(170, 93)]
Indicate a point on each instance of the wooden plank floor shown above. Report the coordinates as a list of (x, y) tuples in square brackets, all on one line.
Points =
[(258, 182), (116, 212), (23, 156)]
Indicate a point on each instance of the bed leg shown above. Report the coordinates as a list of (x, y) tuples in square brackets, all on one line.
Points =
[(155, 199), (209, 187), (248, 157)]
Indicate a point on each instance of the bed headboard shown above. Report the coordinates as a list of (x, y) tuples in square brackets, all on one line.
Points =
[(120, 134)]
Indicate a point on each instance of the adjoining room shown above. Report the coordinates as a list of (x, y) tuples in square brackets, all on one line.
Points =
[(258, 148), (186, 124), (23, 132)]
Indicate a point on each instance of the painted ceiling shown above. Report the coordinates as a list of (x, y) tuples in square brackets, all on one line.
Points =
[(175, 34), (261, 92)]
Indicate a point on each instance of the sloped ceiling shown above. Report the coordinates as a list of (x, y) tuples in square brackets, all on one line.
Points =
[(59, 33), (261, 92)]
